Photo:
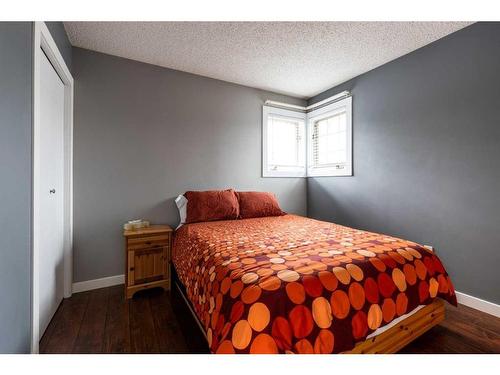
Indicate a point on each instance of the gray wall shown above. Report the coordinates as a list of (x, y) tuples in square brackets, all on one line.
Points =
[(426, 155), (61, 38), (144, 134), (15, 178), (15, 185)]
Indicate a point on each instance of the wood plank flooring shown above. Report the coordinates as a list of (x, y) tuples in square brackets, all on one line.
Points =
[(154, 321)]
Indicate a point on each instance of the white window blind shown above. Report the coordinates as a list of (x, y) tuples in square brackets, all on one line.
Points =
[(284, 143)]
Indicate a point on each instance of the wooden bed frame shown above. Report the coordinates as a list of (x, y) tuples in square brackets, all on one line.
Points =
[(388, 342), (407, 330)]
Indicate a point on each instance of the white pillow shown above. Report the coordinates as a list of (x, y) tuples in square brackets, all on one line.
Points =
[(181, 202)]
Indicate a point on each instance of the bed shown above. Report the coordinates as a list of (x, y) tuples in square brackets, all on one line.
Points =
[(290, 284)]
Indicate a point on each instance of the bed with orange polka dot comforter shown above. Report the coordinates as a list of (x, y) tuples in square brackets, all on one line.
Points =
[(290, 284)]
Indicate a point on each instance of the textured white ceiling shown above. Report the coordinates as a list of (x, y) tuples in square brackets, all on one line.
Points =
[(297, 58)]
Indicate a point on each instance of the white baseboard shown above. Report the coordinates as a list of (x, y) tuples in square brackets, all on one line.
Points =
[(83, 286), (478, 304)]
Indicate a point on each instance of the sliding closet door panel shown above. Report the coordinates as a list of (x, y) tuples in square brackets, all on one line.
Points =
[(51, 273)]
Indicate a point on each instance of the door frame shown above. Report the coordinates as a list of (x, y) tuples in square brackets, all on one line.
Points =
[(42, 40)]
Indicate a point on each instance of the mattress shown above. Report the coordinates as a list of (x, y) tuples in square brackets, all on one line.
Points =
[(291, 284)]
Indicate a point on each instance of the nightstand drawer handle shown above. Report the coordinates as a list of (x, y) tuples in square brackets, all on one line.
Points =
[(131, 268), (148, 242)]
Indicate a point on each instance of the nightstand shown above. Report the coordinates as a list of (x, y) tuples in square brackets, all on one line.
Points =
[(147, 260)]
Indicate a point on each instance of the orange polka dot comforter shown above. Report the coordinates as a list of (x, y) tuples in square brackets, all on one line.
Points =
[(290, 284)]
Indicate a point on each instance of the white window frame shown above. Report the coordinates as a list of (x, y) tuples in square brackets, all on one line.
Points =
[(296, 115), (344, 169)]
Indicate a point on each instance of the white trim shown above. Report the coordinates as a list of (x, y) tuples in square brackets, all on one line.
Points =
[(323, 102), (273, 103), (334, 98), (83, 286), (42, 40), (478, 304)]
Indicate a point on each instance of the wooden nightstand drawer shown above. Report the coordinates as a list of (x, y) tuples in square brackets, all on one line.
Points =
[(147, 258), (148, 242)]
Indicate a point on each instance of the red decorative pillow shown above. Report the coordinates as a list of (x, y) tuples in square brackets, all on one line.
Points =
[(211, 205), (258, 204)]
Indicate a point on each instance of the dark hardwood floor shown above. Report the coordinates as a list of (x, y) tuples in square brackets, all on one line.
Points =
[(154, 321)]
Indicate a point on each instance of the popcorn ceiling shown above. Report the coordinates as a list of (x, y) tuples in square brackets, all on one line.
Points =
[(300, 59)]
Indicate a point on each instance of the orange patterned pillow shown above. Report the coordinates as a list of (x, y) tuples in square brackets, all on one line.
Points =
[(258, 204), (211, 205)]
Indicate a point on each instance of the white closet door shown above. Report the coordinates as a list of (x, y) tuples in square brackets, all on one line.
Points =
[(51, 266)]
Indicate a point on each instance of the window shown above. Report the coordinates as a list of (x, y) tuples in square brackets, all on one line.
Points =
[(328, 150), (284, 146), (330, 140)]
